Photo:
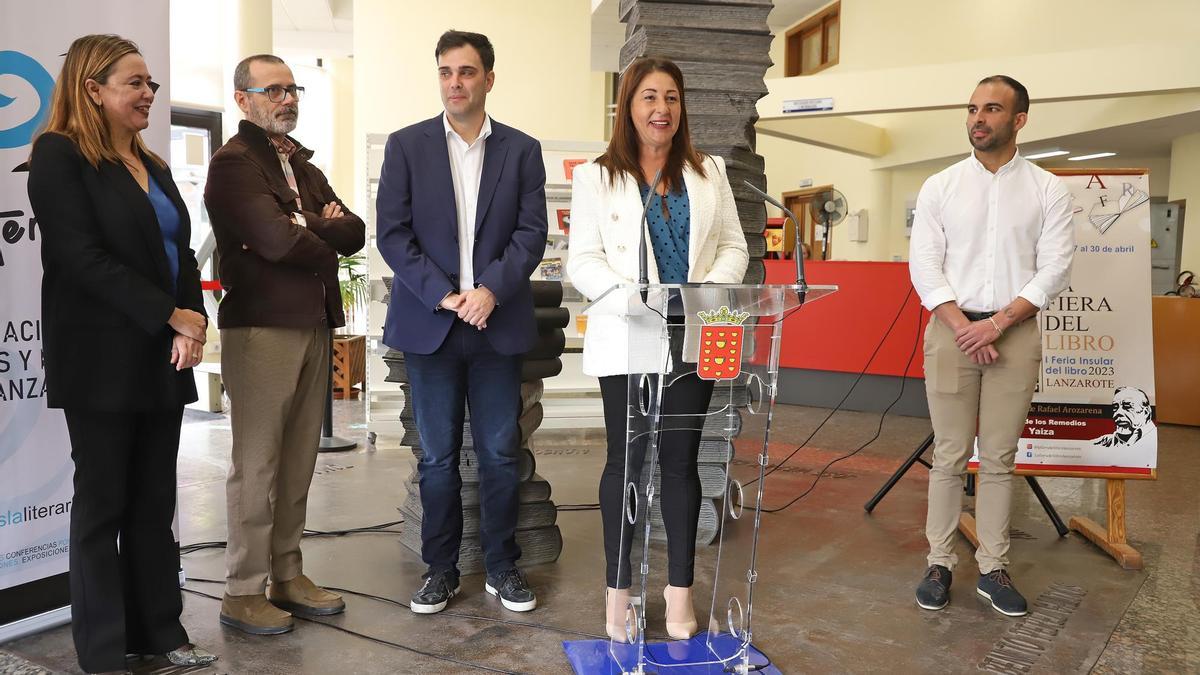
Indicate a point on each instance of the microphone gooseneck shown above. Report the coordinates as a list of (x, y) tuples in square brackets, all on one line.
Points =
[(798, 250), (643, 259)]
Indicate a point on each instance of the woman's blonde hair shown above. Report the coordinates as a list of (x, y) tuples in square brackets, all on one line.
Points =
[(73, 113)]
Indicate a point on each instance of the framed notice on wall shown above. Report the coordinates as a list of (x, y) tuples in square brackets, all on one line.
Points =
[(1093, 411)]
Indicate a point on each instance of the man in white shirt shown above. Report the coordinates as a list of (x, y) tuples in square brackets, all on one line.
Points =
[(461, 218), (992, 243)]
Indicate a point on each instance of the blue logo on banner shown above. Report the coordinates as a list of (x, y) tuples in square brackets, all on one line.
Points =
[(28, 69)]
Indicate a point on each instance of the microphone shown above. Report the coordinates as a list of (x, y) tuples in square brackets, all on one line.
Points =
[(643, 260), (798, 250)]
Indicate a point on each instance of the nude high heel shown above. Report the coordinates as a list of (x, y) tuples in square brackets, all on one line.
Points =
[(681, 619), (616, 601)]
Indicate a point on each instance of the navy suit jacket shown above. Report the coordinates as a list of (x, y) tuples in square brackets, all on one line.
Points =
[(417, 234)]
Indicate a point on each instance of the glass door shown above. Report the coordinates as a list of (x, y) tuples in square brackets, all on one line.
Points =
[(195, 136)]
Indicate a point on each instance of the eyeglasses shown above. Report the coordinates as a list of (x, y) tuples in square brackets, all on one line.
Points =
[(276, 93)]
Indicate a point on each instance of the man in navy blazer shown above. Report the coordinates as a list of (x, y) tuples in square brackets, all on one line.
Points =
[(461, 217)]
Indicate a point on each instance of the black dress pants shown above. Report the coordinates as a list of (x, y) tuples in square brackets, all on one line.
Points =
[(683, 407), (124, 576)]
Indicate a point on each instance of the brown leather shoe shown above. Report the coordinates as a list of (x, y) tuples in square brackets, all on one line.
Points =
[(301, 596), (253, 614)]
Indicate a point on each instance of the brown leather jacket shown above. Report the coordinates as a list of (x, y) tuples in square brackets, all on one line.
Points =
[(274, 271)]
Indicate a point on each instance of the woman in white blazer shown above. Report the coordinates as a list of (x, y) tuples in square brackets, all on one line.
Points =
[(693, 235)]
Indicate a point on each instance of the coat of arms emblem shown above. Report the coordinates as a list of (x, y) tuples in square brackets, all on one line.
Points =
[(721, 344)]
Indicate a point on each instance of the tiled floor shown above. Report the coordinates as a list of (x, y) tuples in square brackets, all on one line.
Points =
[(836, 584)]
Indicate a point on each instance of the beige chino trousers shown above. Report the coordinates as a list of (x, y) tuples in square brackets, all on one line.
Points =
[(966, 399), (276, 379)]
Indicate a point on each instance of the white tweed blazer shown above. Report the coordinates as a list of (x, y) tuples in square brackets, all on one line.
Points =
[(603, 252)]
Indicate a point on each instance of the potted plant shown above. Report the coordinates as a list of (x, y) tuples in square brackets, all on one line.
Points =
[(354, 286), (349, 348)]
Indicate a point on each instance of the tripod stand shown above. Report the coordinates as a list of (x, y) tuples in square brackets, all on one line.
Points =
[(917, 457)]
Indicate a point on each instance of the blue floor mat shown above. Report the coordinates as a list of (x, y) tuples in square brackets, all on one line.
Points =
[(683, 657)]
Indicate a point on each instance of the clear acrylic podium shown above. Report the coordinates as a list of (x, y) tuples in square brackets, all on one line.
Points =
[(728, 335)]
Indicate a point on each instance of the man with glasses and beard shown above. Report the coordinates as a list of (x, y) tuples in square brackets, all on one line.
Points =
[(280, 228), (992, 243), (1135, 440)]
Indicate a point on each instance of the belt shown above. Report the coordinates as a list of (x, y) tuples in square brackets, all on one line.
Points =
[(978, 316)]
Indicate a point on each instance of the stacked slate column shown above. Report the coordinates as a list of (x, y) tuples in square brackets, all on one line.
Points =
[(723, 48), (537, 532)]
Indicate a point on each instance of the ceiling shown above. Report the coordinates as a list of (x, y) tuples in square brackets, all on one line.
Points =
[(1151, 138), (317, 28), (335, 16)]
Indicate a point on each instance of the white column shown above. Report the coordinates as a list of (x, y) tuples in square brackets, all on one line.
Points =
[(248, 25)]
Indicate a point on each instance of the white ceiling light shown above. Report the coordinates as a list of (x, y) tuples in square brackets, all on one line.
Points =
[(1096, 155), (1047, 153)]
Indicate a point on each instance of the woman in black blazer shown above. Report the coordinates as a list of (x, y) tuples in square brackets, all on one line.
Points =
[(123, 324)]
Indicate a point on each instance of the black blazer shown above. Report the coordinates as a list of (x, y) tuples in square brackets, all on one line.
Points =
[(106, 286)]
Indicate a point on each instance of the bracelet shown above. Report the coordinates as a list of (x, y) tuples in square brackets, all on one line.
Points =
[(996, 325)]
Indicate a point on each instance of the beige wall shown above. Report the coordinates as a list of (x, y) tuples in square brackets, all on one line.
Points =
[(906, 184), (889, 34), (886, 44), (1185, 184), (341, 166), (788, 163), (207, 41), (196, 77), (544, 82)]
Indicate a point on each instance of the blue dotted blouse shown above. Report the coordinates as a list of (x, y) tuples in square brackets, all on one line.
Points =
[(669, 235)]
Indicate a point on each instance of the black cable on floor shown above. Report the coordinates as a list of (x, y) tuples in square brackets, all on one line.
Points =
[(878, 430), (354, 530), (862, 373), (459, 615), (372, 638), (369, 529)]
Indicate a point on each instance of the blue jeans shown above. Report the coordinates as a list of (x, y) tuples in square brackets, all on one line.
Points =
[(465, 369)]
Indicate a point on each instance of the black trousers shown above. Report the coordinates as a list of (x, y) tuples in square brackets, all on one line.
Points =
[(124, 575), (683, 406)]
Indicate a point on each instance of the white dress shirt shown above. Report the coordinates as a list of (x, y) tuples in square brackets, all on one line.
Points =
[(981, 239), (466, 169)]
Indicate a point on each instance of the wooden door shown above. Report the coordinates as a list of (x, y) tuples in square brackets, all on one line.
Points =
[(800, 203)]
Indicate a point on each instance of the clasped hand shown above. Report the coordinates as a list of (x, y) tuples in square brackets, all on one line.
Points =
[(191, 332), (474, 306), (185, 352), (975, 340)]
